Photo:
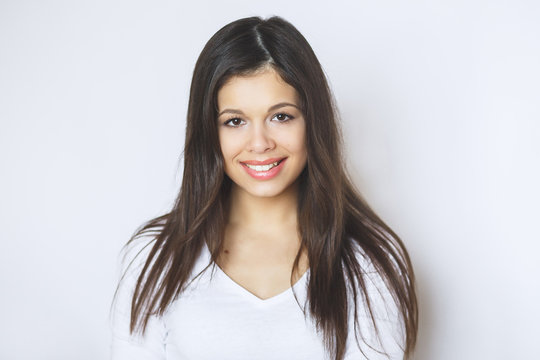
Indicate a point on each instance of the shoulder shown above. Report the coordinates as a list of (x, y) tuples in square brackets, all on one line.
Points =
[(133, 258)]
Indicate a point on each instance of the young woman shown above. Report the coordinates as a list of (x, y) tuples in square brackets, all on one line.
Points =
[(269, 251)]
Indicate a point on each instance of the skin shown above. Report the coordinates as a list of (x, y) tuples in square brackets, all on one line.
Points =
[(259, 118)]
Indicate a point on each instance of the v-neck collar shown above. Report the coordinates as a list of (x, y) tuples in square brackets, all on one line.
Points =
[(220, 275)]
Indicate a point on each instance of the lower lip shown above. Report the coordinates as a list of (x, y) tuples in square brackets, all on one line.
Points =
[(265, 175)]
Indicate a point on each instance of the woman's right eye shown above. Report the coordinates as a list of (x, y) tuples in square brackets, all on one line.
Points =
[(234, 122)]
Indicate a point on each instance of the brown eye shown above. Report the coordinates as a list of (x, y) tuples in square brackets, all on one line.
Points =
[(282, 117), (234, 122)]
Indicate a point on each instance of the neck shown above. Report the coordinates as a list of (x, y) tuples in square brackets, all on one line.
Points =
[(253, 212)]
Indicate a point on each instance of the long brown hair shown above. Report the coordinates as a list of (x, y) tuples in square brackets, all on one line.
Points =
[(333, 218)]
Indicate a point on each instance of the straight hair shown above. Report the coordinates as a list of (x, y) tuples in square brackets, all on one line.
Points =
[(334, 220)]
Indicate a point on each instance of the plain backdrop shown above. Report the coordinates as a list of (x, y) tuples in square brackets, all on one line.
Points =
[(440, 108)]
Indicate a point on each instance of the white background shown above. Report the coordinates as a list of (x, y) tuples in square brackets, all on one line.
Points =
[(440, 106)]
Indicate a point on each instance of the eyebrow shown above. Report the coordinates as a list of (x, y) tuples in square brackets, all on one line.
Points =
[(271, 108)]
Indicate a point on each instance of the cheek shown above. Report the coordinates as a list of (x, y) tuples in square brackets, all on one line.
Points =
[(229, 145), (224, 144), (296, 140)]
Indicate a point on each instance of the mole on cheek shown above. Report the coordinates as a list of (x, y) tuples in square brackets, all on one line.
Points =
[(226, 251)]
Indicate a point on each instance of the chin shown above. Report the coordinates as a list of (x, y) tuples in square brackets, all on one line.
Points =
[(263, 190), (265, 193)]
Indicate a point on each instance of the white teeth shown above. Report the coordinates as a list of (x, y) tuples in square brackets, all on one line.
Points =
[(262, 167)]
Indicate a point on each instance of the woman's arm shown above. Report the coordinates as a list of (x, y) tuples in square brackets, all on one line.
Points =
[(126, 346), (388, 343)]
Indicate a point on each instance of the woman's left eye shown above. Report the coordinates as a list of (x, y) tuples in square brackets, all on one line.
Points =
[(282, 117)]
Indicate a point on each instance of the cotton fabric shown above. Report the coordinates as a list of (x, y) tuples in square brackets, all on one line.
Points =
[(216, 318)]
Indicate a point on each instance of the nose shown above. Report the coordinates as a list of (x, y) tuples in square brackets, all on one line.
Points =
[(260, 139)]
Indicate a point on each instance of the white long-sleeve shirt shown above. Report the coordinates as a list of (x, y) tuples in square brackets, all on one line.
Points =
[(216, 318)]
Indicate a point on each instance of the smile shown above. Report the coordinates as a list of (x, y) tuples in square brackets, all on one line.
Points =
[(263, 167), (263, 170)]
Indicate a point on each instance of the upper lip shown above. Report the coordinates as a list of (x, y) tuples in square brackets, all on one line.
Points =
[(262, 162)]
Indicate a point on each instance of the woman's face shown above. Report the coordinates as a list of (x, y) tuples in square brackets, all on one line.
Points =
[(262, 133)]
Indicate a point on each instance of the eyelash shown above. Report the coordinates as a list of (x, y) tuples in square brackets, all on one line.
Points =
[(229, 121)]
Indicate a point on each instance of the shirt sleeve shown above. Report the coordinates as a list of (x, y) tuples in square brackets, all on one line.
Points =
[(387, 344), (127, 346)]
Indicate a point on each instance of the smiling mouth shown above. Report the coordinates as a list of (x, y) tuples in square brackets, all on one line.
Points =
[(265, 167)]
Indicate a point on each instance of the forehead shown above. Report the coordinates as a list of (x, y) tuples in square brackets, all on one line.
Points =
[(259, 90)]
